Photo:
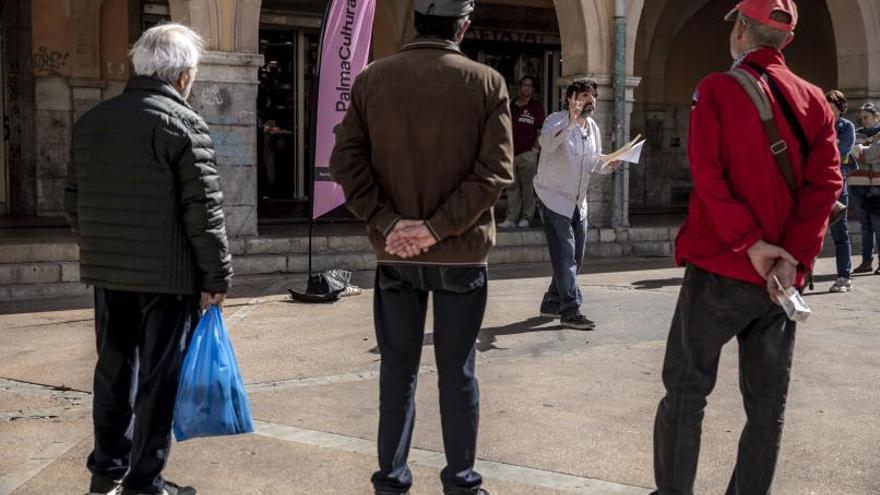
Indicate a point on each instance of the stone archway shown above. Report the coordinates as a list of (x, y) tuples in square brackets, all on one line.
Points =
[(857, 37), (226, 25), (681, 41), (585, 35), (855, 25)]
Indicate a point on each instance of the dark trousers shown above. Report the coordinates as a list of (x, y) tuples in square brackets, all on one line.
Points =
[(711, 311), (869, 220), (400, 306), (141, 341), (842, 243), (566, 240)]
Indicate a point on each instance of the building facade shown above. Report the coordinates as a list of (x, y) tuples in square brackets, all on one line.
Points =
[(60, 57)]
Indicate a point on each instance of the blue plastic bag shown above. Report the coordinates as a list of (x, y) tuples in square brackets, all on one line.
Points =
[(211, 400)]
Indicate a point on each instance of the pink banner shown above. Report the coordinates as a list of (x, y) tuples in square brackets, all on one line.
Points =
[(345, 46)]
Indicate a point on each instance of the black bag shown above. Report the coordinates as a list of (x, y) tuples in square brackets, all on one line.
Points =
[(324, 287)]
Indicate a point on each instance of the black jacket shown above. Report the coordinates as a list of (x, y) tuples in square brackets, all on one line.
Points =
[(144, 196)]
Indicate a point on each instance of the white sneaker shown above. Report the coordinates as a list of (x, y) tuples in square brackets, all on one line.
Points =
[(842, 285), (115, 491), (523, 224), (507, 224)]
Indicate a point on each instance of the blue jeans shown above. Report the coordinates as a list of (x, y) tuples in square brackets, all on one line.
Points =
[(842, 244), (566, 239), (400, 304), (870, 222)]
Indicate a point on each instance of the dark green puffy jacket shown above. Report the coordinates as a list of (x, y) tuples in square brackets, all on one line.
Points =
[(144, 196)]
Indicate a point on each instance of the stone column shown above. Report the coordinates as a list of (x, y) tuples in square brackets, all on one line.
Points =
[(225, 94), (19, 106), (68, 68), (585, 27), (392, 26)]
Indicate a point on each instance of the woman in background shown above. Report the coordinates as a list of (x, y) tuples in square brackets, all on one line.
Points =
[(846, 137), (863, 182)]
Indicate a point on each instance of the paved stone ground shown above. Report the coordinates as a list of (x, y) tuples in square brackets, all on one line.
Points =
[(562, 411)]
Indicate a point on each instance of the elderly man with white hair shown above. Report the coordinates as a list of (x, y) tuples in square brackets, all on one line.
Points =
[(143, 194)]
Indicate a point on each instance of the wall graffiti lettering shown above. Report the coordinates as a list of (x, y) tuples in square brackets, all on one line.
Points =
[(48, 63), (12, 119), (116, 69), (212, 96)]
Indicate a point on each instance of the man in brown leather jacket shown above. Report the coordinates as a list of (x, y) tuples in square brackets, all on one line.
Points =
[(423, 154)]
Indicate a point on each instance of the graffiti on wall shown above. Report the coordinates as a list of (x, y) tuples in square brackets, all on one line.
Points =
[(212, 96), (12, 120), (48, 63), (116, 69)]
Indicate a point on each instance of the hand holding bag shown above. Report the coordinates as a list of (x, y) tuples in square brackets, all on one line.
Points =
[(211, 400)]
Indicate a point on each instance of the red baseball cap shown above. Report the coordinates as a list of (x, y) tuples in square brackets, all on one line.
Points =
[(761, 10)]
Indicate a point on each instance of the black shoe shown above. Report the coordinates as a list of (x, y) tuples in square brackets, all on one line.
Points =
[(170, 489), (101, 484), (467, 491), (550, 313), (577, 322), (863, 268), (877, 271), (549, 310)]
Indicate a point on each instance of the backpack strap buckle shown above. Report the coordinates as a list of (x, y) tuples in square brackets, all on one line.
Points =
[(778, 147)]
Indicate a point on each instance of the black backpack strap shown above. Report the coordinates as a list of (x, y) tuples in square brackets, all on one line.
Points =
[(785, 106)]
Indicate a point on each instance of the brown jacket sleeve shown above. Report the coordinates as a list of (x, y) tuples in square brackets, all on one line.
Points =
[(350, 166), (492, 172)]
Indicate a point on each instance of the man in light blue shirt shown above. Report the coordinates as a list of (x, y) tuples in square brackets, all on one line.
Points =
[(571, 146)]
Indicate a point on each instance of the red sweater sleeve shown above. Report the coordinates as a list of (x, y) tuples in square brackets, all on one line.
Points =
[(805, 227), (732, 220)]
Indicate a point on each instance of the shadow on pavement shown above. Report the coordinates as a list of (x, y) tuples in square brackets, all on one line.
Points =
[(488, 336), (658, 283)]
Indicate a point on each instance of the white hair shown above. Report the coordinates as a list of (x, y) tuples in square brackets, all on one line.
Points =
[(166, 51), (763, 35)]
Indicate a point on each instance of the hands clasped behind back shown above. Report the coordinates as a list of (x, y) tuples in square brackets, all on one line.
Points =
[(409, 238)]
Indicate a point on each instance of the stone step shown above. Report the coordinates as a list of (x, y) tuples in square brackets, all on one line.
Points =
[(31, 270), (38, 252), (50, 273), (42, 291), (39, 273)]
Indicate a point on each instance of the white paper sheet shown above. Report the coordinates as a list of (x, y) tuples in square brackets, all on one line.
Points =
[(633, 154)]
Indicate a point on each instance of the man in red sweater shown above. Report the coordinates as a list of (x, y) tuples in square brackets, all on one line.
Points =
[(744, 230)]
